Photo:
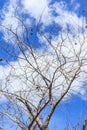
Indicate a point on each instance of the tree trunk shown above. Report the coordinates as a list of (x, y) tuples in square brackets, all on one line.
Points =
[(45, 128), (85, 124)]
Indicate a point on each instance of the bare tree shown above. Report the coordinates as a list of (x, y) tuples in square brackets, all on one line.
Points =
[(41, 78)]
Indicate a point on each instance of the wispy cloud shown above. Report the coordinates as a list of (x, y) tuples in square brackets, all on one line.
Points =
[(46, 12)]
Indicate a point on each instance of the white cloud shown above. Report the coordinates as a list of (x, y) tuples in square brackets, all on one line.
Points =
[(69, 19), (37, 9)]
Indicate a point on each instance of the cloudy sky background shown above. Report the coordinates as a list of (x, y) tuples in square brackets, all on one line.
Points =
[(65, 14)]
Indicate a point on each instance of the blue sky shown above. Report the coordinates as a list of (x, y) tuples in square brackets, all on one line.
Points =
[(55, 14)]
